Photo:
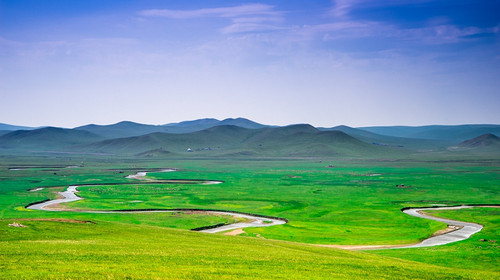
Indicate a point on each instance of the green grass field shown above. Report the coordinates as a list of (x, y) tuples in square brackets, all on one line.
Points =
[(354, 202), (348, 204), (109, 250)]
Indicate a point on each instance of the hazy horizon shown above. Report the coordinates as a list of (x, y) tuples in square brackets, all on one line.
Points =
[(327, 63), (269, 124)]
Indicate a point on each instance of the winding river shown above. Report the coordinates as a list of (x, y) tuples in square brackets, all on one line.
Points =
[(463, 230), (254, 221)]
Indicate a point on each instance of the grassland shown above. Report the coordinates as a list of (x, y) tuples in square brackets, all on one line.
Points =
[(348, 204), (117, 251), (354, 202)]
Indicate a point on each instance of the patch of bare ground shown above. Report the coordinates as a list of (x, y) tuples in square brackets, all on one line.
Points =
[(446, 230), (235, 232), (58, 207)]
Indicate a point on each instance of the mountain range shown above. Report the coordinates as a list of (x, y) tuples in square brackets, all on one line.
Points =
[(243, 137), (128, 129)]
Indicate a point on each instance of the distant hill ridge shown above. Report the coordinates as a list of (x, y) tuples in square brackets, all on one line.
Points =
[(129, 129), (46, 138), (245, 137), (448, 133), (456, 133), (8, 127), (121, 129), (294, 140)]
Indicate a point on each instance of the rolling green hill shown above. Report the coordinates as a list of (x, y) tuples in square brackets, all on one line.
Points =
[(243, 137), (226, 136), (485, 140), (305, 140), (202, 124), (130, 129), (295, 140), (486, 144), (47, 138), (121, 129)]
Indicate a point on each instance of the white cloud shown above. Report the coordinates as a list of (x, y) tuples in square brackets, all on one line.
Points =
[(342, 29), (7, 42), (274, 19), (341, 8), (245, 18), (430, 35), (249, 27), (442, 34), (229, 12), (110, 41)]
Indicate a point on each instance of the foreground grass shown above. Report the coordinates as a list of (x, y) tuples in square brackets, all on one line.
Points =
[(106, 250)]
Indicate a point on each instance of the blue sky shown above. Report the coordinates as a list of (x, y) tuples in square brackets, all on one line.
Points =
[(352, 62)]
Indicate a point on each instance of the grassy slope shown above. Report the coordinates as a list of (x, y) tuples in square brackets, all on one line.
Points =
[(115, 251)]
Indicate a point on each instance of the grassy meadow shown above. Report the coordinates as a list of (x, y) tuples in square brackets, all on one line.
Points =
[(337, 201), (109, 250)]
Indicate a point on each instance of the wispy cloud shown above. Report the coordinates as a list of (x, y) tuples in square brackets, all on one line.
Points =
[(430, 35), (7, 42), (244, 18), (343, 24), (341, 8), (444, 34), (249, 27), (229, 12), (343, 29)]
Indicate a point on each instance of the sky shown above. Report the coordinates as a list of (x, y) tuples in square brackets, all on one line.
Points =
[(326, 63)]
